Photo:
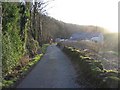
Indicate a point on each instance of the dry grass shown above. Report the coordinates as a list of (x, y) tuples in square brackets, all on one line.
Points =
[(24, 60), (83, 45), (106, 53)]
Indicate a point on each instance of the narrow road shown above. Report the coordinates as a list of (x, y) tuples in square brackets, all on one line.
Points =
[(54, 70)]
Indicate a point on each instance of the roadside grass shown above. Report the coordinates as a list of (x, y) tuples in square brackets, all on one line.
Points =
[(107, 57), (44, 48), (81, 45), (20, 72), (92, 69), (107, 53)]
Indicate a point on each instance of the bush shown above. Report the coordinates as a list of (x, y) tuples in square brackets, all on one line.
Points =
[(12, 45), (44, 48), (32, 47), (18, 72), (12, 51)]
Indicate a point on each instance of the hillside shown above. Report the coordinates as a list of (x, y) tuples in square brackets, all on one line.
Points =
[(59, 29)]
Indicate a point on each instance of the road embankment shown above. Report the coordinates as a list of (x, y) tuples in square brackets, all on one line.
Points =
[(92, 70)]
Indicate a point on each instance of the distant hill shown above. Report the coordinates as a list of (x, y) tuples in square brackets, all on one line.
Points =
[(58, 29)]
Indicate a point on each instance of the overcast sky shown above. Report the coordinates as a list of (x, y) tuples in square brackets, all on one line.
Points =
[(87, 12)]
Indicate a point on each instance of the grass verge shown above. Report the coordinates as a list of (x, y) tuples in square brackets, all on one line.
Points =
[(18, 74), (93, 70), (12, 80)]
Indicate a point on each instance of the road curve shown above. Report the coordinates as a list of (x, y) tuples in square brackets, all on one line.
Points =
[(54, 70)]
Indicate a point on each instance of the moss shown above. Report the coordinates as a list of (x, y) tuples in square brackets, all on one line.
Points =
[(7, 83), (98, 64), (96, 71), (93, 69), (74, 54), (114, 78), (44, 48), (86, 58), (111, 73), (21, 72), (111, 81), (59, 44)]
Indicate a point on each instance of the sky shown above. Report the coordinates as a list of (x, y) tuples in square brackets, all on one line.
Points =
[(102, 13)]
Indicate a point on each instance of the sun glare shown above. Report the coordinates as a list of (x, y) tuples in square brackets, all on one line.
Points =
[(113, 31), (102, 13)]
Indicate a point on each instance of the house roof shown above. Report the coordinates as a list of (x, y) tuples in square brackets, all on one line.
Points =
[(84, 35)]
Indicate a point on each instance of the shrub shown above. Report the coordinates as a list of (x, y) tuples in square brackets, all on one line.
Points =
[(32, 47), (44, 48), (12, 51)]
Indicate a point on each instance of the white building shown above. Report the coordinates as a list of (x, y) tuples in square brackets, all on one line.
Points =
[(92, 36)]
